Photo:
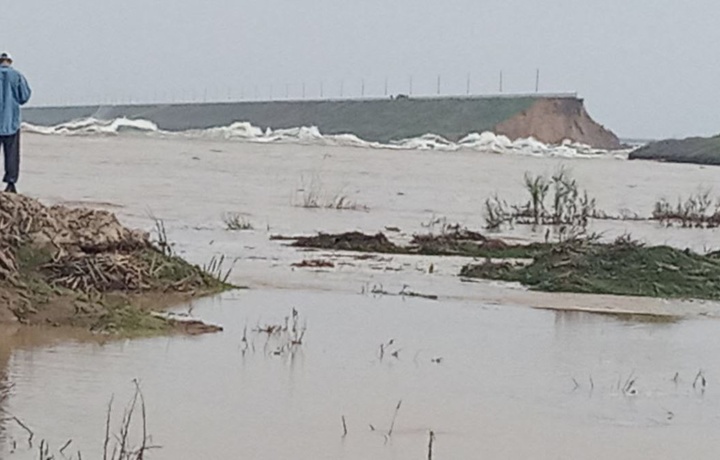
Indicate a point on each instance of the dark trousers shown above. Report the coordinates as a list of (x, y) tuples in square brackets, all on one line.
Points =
[(11, 147)]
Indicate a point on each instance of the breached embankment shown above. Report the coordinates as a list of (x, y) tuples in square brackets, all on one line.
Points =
[(82, 268), (548, 119)]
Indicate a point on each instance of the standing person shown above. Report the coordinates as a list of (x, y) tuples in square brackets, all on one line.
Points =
[(14, 92)]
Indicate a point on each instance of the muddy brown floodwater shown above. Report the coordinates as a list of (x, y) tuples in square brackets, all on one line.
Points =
[(492, 378)]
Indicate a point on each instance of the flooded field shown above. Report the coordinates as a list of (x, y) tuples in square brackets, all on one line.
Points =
[(491, 377)]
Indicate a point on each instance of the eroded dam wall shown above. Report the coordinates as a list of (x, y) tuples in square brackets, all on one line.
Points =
[(550, 119)]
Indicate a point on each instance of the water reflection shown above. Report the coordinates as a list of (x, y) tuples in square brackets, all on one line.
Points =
[(504, 373), (4, 387)]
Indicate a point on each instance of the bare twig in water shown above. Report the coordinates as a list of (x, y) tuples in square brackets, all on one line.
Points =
[(44, 451), (378, 290), (107, 428), (143, 446), (392, 425), (65, 446), (123, 450), (700, 378), (384, 347), (344, 425), (290, 335), (162, 243), (430, 444), (30, 432), (577, 385), (627, 387)]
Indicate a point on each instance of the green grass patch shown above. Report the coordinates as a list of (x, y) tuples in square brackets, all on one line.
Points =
[(622, 268), (124, 319), (30, 258)]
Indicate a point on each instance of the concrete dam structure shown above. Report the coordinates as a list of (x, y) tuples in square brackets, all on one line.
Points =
[(548, 118)]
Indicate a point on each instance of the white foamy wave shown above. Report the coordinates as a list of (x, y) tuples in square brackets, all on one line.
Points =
[(90, 126), (245, 132)]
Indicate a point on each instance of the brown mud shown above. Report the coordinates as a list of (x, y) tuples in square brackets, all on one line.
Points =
[(450, 242), (553, 121), (81, 268)]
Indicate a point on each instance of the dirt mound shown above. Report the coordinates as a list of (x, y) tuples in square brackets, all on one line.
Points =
[(350, 241), (60, 231), (554, 120), (456, 242), (81, 267), (450, 242)]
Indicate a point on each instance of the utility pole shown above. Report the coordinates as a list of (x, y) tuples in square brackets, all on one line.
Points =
[(411, 86), (467, 88), (342, 89), (537, 81), (322, 89), (386, 86), (362, 89), (303, 94), (438, 85), (501, 81)]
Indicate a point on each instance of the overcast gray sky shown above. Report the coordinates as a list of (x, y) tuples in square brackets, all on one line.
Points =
[(647, 68)]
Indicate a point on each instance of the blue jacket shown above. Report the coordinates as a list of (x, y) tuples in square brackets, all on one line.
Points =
[(14, 92)]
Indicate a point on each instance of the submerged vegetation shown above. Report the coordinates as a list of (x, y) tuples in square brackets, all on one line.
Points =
[(623, 267), (556, 200), (313, 194), (576, 261), (235, 221), (698, 210)]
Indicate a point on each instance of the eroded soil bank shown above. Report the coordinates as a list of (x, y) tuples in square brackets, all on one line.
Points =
[(82, 268)]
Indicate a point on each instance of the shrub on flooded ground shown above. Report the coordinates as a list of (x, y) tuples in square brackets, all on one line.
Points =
[(313, 195), (235, 221), (556, 200), (698, 210), (624, 267)]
